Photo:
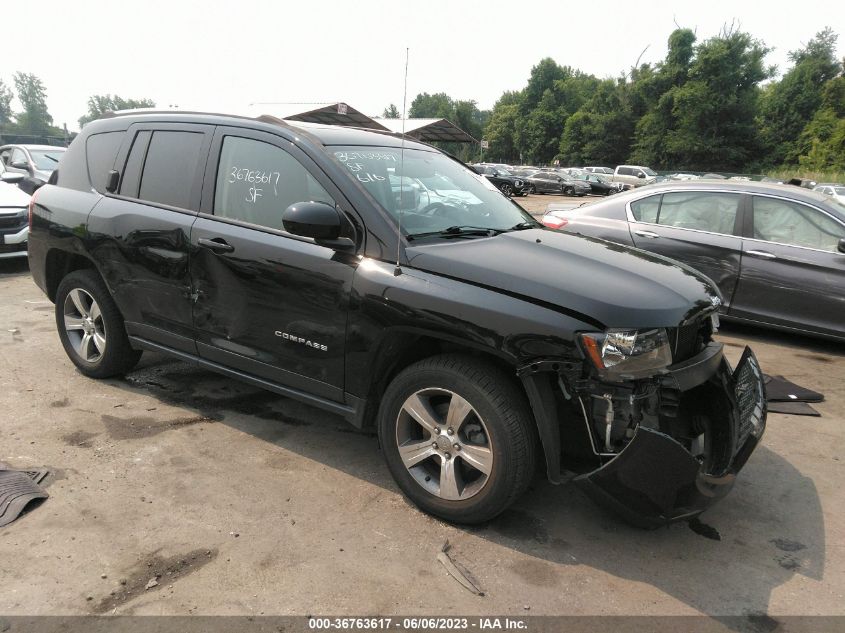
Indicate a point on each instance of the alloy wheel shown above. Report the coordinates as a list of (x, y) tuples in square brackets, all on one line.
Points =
[(83, 322), (444, 444)]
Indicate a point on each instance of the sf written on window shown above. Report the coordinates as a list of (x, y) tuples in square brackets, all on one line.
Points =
[(257, 181)]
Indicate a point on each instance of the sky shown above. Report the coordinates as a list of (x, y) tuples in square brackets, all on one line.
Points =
[(223, 56)]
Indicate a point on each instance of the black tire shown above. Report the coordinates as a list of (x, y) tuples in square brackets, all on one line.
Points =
[(506, 189), (498, 408), (530, 189), (100, 318), (568, 191)]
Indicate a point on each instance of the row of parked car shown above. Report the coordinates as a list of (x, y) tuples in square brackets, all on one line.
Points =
[(570, 181), (23, 169)]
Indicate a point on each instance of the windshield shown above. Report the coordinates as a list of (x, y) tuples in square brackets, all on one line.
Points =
[(649, 172), (46, 160), (430, 191), (839, 191)]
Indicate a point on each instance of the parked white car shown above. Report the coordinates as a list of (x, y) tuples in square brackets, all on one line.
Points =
[(634, 175), (837, 192), (14, 219)]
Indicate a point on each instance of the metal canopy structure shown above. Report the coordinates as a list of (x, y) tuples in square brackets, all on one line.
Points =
[(337, 113), (429, 130)]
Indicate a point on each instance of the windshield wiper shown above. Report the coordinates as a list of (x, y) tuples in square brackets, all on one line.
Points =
[(459, 231), (524, 225)]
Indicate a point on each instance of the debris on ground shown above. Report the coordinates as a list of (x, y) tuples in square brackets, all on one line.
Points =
[(457, 571), (19, 488), (152, 583), (779, 389), (784, 396), (793, 408)]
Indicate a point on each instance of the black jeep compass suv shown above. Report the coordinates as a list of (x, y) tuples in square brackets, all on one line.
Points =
[(383, 280)]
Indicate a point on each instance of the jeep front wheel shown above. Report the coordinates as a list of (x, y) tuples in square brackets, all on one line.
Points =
[(458, 437)]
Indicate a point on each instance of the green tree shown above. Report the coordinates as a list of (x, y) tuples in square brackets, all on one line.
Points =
[(391, 112), (601, 131), (436, 106), (98, 105), (787, 105), (35, 118), (706, 120), (822, 142), (500, 129), (5, 104)]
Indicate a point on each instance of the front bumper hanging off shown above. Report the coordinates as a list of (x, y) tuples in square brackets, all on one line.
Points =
[(654, 480)]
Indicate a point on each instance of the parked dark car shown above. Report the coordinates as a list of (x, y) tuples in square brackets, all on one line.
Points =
[(599, 185), (504, 181), (776, 252), (279, 253), (36, 161), (552, 182)]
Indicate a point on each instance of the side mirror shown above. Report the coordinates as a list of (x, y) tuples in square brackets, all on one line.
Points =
[(112, 180), (19, 164), (841, 246), (641, 175), (11, 178), (317, 220)]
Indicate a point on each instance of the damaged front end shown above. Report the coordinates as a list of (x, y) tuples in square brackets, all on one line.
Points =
[(658, 438)]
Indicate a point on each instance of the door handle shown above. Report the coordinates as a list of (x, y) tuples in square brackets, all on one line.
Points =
[(218, 244), (649, 234), (763, 254)]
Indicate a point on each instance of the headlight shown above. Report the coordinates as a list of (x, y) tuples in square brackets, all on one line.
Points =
[(517, 183), (625, 354)]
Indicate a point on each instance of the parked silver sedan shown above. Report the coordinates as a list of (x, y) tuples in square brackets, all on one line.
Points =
[(777, 252)]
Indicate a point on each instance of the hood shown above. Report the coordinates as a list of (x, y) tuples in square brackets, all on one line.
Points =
[(602, 283), (12, 196)]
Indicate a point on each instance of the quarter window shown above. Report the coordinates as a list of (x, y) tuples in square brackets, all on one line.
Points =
[(257, 181), (645, 209), (702, 211), (170, 168), (795, 224), (101, 150)]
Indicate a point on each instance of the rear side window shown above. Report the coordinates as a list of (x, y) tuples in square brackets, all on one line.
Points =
[(257, 181), (171, 167), (625, 171), (101, 151), (795, 224)]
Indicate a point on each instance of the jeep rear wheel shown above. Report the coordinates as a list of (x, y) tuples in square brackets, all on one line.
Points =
[(458, 437), (91, 328), (506, 189)]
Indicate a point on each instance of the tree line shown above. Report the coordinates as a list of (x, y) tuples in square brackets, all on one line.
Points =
[(708, 106), (34, 119)]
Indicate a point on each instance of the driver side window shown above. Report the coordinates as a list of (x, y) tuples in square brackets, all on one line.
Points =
[(257, 181)]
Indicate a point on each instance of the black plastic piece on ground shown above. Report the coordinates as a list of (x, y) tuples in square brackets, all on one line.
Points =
[(779, 389), (17, 490), (795, 407)]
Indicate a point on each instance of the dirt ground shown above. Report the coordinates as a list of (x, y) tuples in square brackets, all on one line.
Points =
[(240, 502)]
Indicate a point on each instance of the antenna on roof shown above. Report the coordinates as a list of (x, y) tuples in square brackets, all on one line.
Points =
[(397, 270)]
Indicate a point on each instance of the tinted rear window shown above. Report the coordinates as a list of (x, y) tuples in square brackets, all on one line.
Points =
[(101, 150), (170, 168)]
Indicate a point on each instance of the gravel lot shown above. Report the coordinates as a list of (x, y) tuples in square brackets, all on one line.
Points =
[(241, 502)]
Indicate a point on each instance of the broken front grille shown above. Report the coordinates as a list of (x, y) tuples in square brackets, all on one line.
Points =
[(750, 397), (690, 339)]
